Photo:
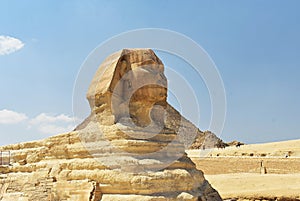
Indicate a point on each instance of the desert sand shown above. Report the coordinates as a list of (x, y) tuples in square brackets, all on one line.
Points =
[(255, 186), (272, 149), (266, 171)]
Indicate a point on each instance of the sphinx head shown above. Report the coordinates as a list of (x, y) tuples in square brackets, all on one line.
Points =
[(130, 84)]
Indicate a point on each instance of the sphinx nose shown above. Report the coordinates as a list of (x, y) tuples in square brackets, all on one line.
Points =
[(161, 79)]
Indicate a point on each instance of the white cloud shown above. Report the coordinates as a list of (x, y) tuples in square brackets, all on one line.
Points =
[(11, 117), (54, 129), (9, 45), (44, 118), (44, 123), (50, 124)]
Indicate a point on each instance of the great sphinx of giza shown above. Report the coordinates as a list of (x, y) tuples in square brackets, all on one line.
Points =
[(131, 147)]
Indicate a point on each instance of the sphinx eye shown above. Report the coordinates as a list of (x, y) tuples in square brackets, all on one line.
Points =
[(124, 64), (129, 84)]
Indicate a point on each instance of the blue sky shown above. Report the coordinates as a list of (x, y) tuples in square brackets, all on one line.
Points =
[(254, 44)]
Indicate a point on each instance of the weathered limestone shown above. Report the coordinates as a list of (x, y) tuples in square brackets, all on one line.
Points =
[(131, 147)]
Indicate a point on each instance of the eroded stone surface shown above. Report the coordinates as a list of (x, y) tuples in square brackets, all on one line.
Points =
[(131, 147)]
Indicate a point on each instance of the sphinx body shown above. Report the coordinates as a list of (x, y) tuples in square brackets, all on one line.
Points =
[(131, 147)]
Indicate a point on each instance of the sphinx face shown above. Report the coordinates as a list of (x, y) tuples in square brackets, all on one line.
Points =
[(148, 85), (139, 90)]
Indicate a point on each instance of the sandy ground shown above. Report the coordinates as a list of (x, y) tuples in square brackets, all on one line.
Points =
[(273, 149), (228, 165), (236, 172), (246, 185)]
